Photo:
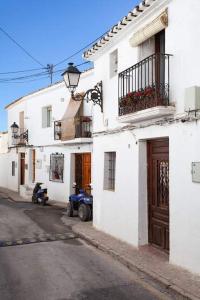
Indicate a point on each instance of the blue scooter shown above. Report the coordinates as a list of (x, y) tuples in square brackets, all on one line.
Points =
[(39, 194), (81, 202)]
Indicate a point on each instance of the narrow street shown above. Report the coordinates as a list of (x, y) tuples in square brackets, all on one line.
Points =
[(40, 258)]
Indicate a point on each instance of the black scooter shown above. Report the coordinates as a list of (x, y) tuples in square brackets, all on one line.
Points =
[(39, 194)]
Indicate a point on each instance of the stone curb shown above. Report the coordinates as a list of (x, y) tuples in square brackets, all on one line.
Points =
[(165, 283)]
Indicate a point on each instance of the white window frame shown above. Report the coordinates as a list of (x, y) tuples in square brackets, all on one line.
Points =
[(47, 116)]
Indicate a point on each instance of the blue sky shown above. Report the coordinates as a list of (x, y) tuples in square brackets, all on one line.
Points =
[(50, 31)]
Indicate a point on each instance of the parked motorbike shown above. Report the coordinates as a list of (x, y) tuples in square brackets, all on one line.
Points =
[(81, 202), (39, 194)]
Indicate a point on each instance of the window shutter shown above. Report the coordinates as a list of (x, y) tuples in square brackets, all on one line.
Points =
[(44, 117)]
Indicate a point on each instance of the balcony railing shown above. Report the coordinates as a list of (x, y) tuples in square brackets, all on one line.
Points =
[(83, 127), (144, 85)]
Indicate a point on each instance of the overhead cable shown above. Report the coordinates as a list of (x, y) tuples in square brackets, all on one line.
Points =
[(21, 47), (81, 50), (21, 71)]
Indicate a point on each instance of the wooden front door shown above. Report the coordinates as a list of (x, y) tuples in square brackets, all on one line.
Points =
[(83, 170), (158, 192), (86, 172), (22, 168)]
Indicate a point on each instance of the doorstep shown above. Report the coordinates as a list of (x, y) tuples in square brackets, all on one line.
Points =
[(147, 260), (12, 195)]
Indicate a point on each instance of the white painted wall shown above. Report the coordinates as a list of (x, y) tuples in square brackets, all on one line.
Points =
[(42, 139), (3, 170), (58, 191), (115, 212), (123, 213), (3, 142), (56, 96)]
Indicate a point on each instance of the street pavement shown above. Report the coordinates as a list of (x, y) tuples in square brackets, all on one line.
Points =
[(41, 258)]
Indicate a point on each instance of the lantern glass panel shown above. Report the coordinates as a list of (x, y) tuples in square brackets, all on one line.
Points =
[(74, 79), (14, 128)]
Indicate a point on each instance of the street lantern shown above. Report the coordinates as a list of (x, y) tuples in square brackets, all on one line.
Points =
[(16, 135), (14, 128), (71, 77)]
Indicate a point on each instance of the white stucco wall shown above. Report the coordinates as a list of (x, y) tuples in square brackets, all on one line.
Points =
[(3, 142), (58, 191), (42, 139), (3, 170), (123, 213), (56, 96)]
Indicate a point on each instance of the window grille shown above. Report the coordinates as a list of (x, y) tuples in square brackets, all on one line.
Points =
[(109, 170)]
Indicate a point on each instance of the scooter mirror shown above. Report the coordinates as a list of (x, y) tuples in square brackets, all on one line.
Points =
[(74, 184)]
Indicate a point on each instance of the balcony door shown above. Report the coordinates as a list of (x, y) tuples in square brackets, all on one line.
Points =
[(160, 61)]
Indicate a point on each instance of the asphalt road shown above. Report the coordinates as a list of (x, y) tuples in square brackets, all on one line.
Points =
[(57, 269)]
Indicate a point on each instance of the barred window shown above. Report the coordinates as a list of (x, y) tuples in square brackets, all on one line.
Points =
[(109, 170), (56, 167)]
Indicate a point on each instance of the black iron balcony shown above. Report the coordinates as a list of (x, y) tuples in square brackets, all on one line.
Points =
[(82, 127), (144, 85)]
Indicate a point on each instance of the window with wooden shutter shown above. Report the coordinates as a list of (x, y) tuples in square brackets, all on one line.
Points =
[(46, 116)]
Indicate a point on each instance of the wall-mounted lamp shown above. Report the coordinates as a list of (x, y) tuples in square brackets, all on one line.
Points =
[(15, 133), (71, 77)]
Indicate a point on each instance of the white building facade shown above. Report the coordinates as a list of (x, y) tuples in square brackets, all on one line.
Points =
[(52, 143), (145, 166), (144, 147), (3, 158)]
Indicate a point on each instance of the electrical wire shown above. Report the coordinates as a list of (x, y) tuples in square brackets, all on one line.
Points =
[(21, 71), (62, 70), (43, 67), (2, 80), (79, 51), (36, 79), (23, 77), (21, 47)]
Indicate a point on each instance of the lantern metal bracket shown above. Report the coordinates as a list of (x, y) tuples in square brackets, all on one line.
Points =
[(95, 95), (23, 135)]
